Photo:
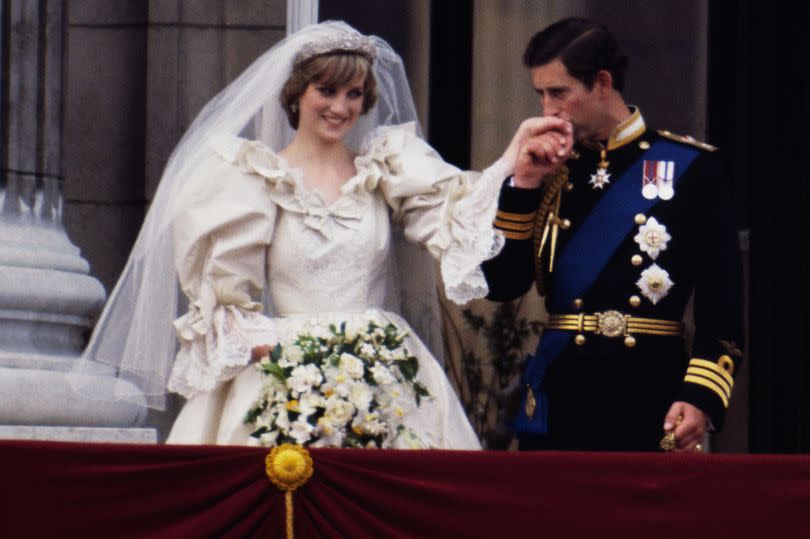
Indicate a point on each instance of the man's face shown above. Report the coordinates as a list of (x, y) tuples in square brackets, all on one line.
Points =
[(565, 97)]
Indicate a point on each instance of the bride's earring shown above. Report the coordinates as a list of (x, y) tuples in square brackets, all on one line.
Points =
[(294, 108)]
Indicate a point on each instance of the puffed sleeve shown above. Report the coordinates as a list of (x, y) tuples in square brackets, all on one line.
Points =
[(223, 226), (447, 210)]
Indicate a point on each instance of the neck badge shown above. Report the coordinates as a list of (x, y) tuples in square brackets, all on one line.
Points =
[(602, 177)]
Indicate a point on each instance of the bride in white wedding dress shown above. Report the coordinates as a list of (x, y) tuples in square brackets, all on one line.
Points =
[(281, 231)]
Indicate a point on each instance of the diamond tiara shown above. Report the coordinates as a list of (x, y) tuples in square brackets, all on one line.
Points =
[(356, 43)]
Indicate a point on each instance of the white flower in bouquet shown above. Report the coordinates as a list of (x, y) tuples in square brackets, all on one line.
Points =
[(282, 418), (366, 351), (382, 375), (266, 419), (309, 403), (337, 381), (360, 395), (304, 377), (370, 424), (396, 403), (333, 376), (292, 356), (338, 412), (301, 431), (353, 365), (328, 435)]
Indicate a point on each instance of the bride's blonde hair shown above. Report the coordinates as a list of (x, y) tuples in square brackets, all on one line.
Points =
[(330, 69)]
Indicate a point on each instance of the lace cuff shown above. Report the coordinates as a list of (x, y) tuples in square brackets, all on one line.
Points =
[(474, 237), (449, 211), (210, 355)]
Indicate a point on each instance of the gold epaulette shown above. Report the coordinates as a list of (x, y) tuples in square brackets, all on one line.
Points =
[(687, 140)]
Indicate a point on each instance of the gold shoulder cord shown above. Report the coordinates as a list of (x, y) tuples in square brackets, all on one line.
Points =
[(547, 223)]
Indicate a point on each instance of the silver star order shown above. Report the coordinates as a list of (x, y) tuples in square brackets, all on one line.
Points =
[(652, 237), (599, 179), (654, 283)]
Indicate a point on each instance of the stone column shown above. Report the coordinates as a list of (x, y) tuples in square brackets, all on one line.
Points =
[(48, 300), (301, 13)]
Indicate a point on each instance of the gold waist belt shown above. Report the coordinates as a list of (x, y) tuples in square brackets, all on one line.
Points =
[(613, 324)]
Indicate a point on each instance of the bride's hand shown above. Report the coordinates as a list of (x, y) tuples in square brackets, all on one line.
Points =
[(259, 352), (541, 156), (534, 127)]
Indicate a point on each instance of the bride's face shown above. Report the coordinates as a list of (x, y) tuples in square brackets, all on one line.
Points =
[(330, 111)]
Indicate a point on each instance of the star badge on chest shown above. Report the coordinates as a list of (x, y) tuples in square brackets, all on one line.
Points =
[(652, 237), (654, 283)]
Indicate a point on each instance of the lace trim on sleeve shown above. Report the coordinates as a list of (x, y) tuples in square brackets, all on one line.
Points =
[(211, 355), (474, 237)]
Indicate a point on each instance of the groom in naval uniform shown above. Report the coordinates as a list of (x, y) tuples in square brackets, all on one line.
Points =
[(617, 234)]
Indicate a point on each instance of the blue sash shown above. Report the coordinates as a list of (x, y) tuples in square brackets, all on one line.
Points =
[(582, 261)]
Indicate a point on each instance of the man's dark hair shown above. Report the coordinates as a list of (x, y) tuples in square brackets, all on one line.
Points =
[(584, 47)]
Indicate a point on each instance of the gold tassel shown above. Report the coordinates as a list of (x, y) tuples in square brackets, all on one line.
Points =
[(545, 234), (289, 467), (555, 229)]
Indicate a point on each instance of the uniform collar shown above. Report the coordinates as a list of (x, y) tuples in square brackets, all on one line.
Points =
[(627, 131), (624, 133)]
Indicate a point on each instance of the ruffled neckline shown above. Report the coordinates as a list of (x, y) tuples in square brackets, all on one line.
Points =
[(297, 176), (377, 159)]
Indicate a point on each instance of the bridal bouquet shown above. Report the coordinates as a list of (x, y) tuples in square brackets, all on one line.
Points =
[(337, 388)]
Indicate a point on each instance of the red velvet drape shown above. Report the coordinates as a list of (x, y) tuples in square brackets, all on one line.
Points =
[(115, 491)]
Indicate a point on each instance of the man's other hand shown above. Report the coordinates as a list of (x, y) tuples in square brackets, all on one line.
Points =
[(690, 429)]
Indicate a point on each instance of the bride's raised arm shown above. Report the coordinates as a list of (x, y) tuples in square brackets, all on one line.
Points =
[(447, 210)]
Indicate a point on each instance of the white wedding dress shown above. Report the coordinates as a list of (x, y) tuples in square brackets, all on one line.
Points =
[(252, 229)]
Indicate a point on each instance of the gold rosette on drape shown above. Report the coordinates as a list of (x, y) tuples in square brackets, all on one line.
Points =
[(289, 467)]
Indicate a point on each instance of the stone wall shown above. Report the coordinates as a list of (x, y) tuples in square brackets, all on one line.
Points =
[(137, 73)]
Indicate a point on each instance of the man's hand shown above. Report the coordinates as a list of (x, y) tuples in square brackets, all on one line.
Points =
[(532, 151), (541, 156), (689, 431)]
